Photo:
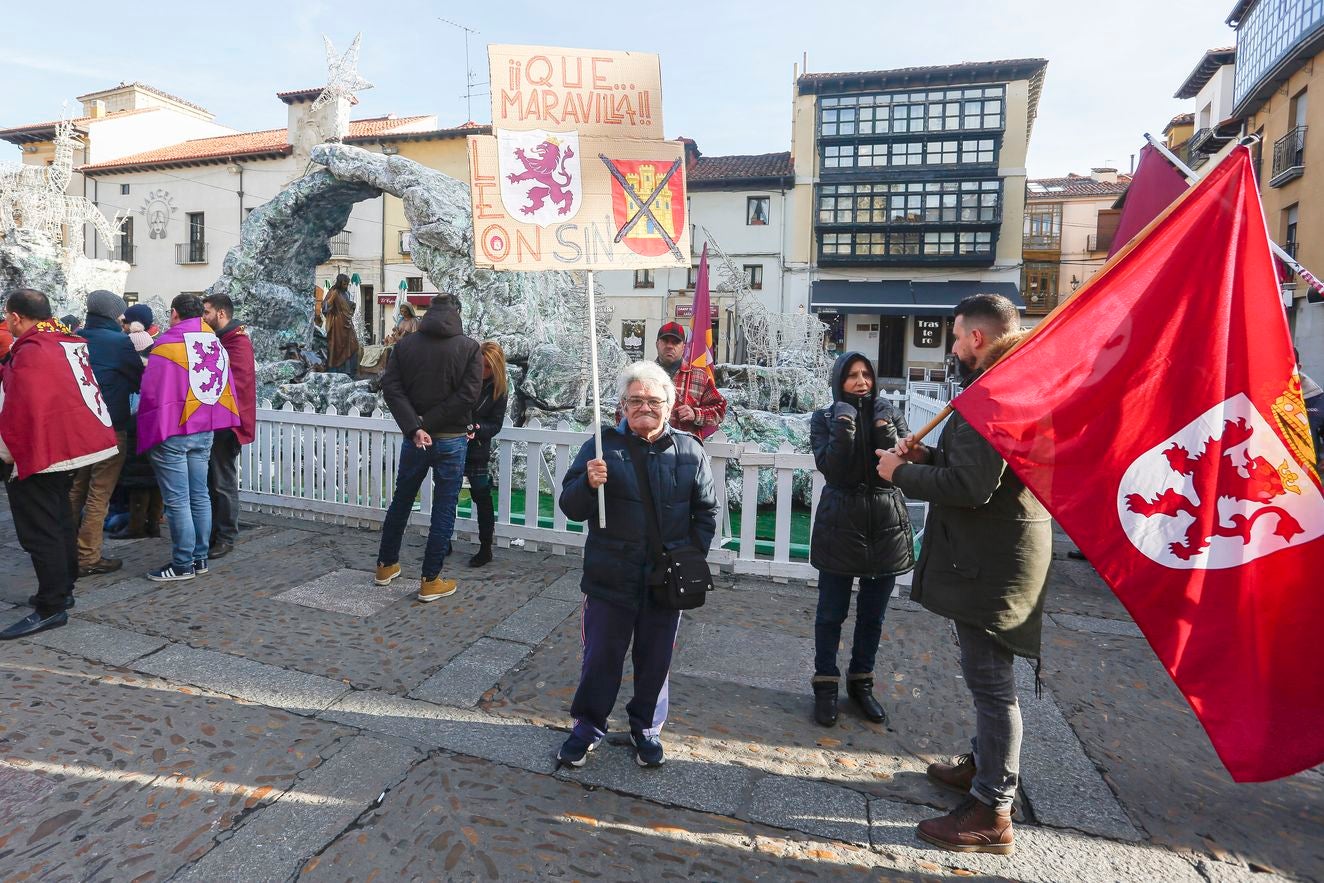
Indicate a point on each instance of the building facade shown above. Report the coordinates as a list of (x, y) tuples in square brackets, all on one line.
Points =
[(910, 195), (1279, 45), (1069, 227)]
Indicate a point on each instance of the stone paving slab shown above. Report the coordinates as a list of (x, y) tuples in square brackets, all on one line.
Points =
[(234, 610), (565, 588), (1064, 787), (1096, 625), (707, 787), (453, 818), (252, 681), (500, 740), (534, 621), (816, 808), (347, 591), (739, 655), (145, 773), (275, 841), (465, 679), (1042, 855), (102, 643)]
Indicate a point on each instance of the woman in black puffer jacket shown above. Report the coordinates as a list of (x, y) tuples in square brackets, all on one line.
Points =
[(861, 530)]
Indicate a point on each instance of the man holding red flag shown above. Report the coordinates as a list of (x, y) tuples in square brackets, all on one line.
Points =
[(1205, 516), (700, 408), (983, 564), (53, 421)]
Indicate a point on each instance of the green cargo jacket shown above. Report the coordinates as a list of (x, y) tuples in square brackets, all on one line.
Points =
[(987, 541)]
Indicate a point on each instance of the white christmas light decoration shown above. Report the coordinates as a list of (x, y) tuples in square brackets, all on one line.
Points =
[(342, 81)]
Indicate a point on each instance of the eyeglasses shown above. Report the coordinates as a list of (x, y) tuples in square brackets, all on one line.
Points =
[(637, 402)]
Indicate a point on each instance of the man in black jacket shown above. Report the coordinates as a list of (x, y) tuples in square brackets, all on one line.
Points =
[(431, 384), (118, 372)]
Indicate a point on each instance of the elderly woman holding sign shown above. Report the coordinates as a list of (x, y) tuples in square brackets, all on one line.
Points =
[(658, 487)]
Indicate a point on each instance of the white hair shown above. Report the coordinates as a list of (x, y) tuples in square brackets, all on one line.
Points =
[(645, 372)]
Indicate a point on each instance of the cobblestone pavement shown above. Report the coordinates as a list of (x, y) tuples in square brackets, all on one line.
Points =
[(280, 718)]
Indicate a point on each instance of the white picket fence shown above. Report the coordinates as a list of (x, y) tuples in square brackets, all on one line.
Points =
[(342, 469)]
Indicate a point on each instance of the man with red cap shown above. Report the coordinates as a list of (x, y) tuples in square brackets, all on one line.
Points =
[(698, 403), (53, 421)]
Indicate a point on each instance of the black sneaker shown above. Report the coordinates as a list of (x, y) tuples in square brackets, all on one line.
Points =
[(574, 750), (647, 750), (199, 566), (170, 573)]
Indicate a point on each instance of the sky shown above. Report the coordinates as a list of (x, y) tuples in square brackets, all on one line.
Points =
[(727, 67)]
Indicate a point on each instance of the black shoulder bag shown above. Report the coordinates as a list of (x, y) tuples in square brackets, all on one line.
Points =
[(680, 579)]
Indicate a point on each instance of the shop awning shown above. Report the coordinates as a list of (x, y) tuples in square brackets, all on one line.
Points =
[(901, 297)]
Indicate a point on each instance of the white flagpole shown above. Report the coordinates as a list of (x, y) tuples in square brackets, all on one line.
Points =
[(597, 404)]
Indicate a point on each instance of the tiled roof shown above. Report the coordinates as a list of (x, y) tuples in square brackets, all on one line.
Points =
[(965, 72), (1074, 185), (145, 88), (718, 170), (1181, 119), (46, 131), (460, 131), (272, 142), (1205, 69)]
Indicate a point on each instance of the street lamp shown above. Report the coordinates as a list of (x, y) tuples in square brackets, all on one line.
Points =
[(1075, 283)]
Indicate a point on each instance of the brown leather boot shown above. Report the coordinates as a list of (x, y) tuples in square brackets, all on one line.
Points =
[(971, 827), (958, 776)]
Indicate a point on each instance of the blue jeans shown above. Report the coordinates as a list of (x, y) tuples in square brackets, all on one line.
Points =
[(833, 605), (180, 463), (445, 457)]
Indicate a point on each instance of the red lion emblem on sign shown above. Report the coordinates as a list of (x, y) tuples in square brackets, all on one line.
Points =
[(1255, 480), (543, 169), (210, 361)]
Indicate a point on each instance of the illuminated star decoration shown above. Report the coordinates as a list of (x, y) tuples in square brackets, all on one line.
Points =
[(342, 81)]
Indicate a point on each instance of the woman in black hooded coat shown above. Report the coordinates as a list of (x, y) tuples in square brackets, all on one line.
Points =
[(861, 531)]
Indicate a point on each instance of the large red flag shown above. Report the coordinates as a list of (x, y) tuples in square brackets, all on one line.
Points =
[(1153, 187), (699, 349), (1158, 417)]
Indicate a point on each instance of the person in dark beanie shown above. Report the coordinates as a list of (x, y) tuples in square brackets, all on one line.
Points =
[(223, 474), (118, 371), (53, 421), (431, 384)]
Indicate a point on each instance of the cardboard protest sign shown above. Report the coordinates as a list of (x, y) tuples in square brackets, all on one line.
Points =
[(599, 93), (558, 201)]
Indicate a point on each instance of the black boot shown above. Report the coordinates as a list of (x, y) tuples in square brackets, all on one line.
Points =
[(860, 689), (825, 701), (483, 555)]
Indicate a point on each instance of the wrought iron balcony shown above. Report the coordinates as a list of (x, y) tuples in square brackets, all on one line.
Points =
[(190, 252), (340, 244), (1194, 156), (126, 253), (1289, 154)]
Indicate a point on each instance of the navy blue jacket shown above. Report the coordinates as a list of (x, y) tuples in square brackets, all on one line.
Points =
[(616, 561), (115, 364)]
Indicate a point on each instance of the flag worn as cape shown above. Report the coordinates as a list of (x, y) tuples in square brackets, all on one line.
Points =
[(1158, 416), (186, 387), (243, 378), (699, 349), (52, 415), (1155, 184)]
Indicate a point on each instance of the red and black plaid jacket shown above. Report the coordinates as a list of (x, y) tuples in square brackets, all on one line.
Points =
[(696, 389)]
